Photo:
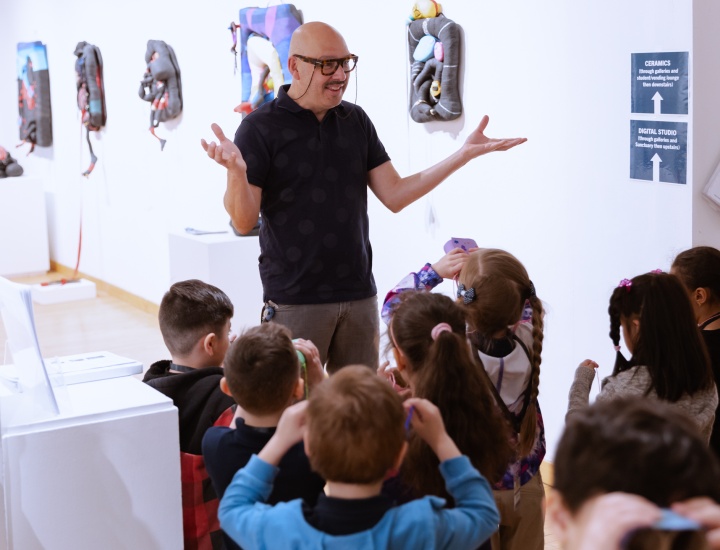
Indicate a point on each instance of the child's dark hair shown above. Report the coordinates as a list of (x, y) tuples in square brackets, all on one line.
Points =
[(262, 369), (444, 373), (354, 426), (190, 310), (668, 342), (637, 446), (699, 267), (502, 286)]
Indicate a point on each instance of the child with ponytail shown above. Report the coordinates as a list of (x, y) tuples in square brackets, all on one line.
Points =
[(427, 335), (504, 320), (669, 361)]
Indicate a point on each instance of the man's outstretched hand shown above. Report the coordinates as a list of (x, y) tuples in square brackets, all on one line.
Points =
[(478, 143), (225, 152)]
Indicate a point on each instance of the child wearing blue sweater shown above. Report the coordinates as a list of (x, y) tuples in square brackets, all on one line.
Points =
[(353, 429)]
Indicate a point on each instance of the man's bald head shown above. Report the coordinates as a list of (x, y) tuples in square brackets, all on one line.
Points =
[(317, 39)]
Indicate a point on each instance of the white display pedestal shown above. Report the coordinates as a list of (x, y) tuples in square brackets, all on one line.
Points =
[(23, 227), (105, 473), (226, 261)]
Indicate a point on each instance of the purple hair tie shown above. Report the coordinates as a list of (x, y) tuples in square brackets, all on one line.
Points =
[(656, 271), (627, 283)]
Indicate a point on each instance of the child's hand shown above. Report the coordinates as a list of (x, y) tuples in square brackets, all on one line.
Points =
[(707, 513), (426, 420), (604, 521), (451, 263), (315, 372), (290, 430), (589, 363)]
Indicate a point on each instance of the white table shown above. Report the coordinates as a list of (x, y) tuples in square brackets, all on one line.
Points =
[(105, 473)]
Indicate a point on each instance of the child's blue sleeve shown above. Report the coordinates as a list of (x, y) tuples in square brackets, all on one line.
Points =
[(243, 505), (475, 517), (425, 279)]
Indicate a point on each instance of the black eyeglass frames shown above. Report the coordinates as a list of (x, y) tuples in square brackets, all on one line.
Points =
[(329, 66)]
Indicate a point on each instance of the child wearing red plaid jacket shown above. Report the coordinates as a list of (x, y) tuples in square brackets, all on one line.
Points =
[(195, 324)]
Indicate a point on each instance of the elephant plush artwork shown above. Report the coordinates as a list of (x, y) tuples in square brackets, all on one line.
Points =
[(264, 44), (434, 48)]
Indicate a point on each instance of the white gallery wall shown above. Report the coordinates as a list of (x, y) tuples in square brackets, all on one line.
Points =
[(556, 72)]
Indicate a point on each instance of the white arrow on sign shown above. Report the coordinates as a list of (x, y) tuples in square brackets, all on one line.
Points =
[(656, 160), (657, 98)]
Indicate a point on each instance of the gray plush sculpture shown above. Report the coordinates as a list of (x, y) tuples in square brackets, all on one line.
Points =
[(9, 168), (434, 46), (161, 85)]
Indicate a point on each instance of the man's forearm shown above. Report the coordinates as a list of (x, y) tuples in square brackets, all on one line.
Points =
[(396, 192), (241, 202)]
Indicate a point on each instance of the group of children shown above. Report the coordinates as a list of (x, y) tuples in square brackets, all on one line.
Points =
[(444, 449)]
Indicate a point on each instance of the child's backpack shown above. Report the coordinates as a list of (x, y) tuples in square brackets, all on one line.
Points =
[(35, 119), (161, 85), (90, 93)]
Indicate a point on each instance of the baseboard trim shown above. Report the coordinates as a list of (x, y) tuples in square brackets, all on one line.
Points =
[(112, 290), (547, 471)]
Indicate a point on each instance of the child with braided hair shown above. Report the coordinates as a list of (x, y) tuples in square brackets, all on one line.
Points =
[(669, 361), (505, 328)]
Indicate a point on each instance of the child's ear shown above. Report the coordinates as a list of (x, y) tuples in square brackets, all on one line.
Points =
[(400, 361), (401, 456), (209, 343), (299, 391), (224, 386), (306, 446), (700, 296), (558, 516)]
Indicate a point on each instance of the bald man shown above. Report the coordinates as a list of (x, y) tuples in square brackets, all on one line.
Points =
[(305, 161)]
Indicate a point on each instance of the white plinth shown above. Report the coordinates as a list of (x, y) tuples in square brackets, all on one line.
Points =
[(59, 293), (226, 261), (23, 227), (105, 473)]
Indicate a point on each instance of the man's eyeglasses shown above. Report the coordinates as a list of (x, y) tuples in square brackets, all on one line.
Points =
[(329, 66)]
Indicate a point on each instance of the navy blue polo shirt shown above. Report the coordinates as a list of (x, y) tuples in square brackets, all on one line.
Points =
[(314, 240)]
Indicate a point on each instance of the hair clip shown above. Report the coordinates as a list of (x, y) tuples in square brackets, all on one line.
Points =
[(531, 291), (468, 295), (656, 271), (627, 283), (617, 348), (438, 329)]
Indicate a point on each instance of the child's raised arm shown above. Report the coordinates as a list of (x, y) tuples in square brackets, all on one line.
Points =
[(427, 278), (427, 422), (289, 432)]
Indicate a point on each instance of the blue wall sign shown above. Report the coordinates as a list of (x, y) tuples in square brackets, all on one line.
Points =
[(660, 83), (658, 151)]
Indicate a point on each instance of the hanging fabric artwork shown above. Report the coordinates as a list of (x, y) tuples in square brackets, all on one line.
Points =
[(90, 93), (264, 45), (161, 85), (434, 51), (35, 120)]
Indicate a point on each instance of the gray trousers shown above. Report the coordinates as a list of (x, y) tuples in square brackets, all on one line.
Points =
[(345, 333)]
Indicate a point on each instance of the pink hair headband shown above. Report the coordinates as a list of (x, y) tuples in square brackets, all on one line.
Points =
[(438, 329)]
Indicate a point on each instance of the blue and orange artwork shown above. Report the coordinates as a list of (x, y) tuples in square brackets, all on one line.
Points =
[(35, 113)]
